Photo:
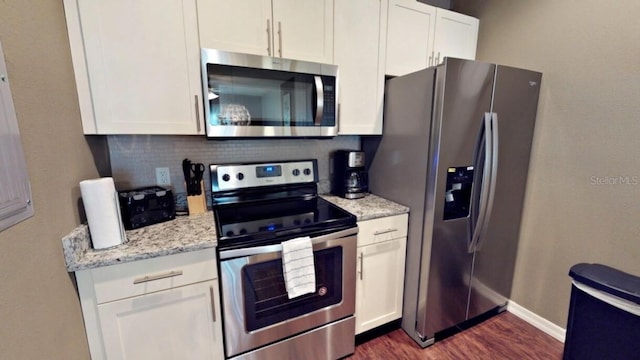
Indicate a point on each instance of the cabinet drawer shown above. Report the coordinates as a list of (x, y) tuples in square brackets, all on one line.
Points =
[(151, 275), (382, 229)]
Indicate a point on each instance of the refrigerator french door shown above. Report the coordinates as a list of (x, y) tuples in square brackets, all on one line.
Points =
[(455, 149)]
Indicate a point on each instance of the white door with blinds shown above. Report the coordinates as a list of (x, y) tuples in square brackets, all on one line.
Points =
[(15, 191)]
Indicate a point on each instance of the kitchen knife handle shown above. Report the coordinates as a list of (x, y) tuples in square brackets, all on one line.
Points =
[(148, 278)]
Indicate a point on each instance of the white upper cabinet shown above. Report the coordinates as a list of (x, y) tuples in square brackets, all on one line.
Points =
[(294, 29), (239, 26), (136, 65), (410, 32), (456, 36), (420, 35), (359, 45)]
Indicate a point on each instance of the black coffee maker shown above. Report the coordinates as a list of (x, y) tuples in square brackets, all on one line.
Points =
[(349, 178)]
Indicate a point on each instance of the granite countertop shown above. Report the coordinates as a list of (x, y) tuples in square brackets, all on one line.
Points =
[(188, 233), (368, 207), (185, 233)]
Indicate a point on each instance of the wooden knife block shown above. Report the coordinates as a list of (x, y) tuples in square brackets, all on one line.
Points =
[(197, 203)]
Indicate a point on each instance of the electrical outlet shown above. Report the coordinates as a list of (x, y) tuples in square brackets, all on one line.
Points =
[(162, 176)]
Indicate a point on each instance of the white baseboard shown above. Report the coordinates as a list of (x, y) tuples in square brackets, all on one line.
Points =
[(538, 321)]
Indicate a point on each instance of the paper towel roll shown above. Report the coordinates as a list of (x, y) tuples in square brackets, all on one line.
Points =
[(103, 212)]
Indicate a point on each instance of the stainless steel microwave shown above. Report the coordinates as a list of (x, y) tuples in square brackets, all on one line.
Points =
[(249, 96)]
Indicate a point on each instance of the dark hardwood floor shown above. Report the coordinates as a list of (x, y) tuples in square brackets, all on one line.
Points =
[(504, 336)]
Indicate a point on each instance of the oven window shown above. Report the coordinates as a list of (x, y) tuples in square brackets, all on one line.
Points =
[(265, 295)]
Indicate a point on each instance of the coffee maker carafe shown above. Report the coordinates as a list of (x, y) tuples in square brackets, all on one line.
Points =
[(349, 179)]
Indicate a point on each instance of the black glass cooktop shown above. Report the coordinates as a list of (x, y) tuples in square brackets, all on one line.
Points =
[(266, 222)]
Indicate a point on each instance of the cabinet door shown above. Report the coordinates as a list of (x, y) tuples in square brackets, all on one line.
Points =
[(141, 65), (456, 35), (359, 45), (238, 26), (180, 323), (379, 287), (303, 29), (410, 32), (15, 189)]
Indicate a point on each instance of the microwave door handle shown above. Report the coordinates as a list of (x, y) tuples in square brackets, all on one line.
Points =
[(319, 86)]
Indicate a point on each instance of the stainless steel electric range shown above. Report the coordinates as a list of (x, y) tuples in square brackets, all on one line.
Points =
[(257, 206)]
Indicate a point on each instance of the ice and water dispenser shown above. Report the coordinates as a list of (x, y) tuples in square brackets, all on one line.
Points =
[(457, 198)]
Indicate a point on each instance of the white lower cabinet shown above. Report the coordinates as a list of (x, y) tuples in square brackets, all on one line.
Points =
[(161, 308), (380, 271)]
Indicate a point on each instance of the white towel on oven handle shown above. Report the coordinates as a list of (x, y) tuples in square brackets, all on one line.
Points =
[(298, 266)]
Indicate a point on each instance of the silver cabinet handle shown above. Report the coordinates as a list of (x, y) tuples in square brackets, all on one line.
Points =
[(213, 303), (157, 277), (280, 38), (269, 37), (380, 232), (361, 265), (197, 113)]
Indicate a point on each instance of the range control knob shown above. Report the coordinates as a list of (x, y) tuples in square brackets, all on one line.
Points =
[(240, 176), (296, 172), (226, 177), (307, 171)]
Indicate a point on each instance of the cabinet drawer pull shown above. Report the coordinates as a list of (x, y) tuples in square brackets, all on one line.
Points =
[(380, 232), (361, 265), (157, 277)]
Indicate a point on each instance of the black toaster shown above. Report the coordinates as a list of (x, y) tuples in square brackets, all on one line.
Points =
[(146, 206)]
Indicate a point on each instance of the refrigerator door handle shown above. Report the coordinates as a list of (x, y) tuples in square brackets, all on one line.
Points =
[(492, 184), (485, 142)]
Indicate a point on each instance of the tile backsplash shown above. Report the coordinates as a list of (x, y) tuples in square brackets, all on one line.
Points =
[(135, 157)]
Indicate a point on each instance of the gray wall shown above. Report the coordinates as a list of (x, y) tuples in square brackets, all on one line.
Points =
[(583, 196), (40, 315)]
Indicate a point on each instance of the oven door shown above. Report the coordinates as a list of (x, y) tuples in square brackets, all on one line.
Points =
[(256, 308)]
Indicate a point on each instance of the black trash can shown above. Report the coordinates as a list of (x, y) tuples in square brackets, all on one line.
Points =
[(604, 314)]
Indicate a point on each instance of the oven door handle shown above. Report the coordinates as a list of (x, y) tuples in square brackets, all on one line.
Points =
[(234, 253)]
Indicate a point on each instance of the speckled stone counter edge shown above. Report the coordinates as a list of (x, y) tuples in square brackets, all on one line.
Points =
[(188, 233), (369, 207), (185, 233)]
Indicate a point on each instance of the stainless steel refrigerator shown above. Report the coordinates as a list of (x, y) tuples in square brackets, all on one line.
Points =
[(455, 149)]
